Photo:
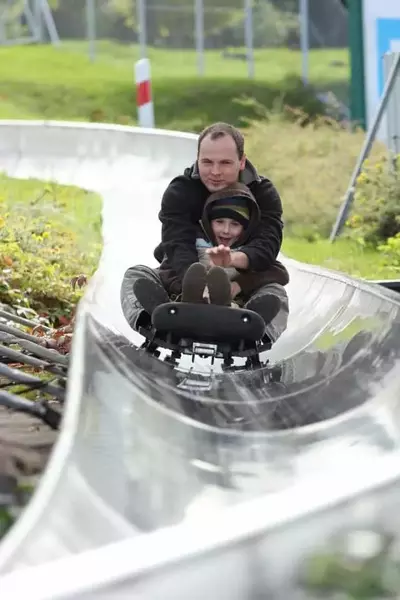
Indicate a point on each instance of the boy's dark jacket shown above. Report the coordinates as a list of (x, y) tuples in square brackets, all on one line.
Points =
[(182, 209)]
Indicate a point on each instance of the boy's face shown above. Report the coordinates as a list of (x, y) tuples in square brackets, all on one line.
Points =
[(226, 231)]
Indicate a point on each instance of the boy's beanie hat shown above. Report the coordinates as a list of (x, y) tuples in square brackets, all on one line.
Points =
[(231, 203), (231, 208)]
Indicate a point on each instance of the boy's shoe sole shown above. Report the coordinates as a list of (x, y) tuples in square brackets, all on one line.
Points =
[(193, 284), (219, 287), (149, 294), (266, 306)]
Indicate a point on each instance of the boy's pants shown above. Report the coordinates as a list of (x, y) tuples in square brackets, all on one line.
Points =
[(132, 309)]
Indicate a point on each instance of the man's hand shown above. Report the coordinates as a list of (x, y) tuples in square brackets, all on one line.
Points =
[(220, 256), (240, 260), (235, 289)]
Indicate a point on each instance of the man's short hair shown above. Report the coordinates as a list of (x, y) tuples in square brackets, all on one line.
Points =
[(218, 130)]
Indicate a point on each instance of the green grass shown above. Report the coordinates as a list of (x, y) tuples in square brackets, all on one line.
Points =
[(61, 83), (66, 206), (343, 255)]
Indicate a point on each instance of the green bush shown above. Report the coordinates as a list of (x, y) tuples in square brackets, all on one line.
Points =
[(376, 213), (391, 252), (310, 161), (44, 243)]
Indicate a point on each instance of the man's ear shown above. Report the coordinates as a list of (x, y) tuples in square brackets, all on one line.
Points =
[(243, 162)]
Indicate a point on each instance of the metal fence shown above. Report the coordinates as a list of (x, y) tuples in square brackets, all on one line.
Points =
[(26, 22), (236, 29), (177, 23)]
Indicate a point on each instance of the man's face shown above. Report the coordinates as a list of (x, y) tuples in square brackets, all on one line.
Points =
[(219, 163)]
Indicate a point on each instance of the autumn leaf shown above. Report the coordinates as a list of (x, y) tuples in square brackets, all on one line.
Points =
[(8, 261)]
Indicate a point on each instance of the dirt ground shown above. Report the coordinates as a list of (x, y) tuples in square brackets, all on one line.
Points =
[(25, 444)]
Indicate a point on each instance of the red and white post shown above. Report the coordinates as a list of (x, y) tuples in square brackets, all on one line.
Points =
[(144, 99)]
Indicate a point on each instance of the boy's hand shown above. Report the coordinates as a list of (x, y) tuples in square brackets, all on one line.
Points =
[(220, 256)]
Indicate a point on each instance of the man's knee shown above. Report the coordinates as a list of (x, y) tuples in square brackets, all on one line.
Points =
[(131, 307), (278, 325), (140, 271), (272, 288)]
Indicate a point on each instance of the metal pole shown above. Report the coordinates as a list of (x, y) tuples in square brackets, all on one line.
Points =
[(38, 15), (141, 19), (144, 99), (91, 28), (47, 16), (248, 36), (392, 114), (30, 19), (3, 36), (199, 34), (348, 199), (304, 39)]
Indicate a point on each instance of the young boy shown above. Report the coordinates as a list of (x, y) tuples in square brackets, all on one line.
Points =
[(229, 218), (224, 224)]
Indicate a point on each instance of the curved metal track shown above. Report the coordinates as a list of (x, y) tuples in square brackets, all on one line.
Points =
[(143, 460)]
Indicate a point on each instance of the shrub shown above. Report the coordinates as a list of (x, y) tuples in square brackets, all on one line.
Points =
[(43, 246), (391, 252), (376, 213), (310, 162)]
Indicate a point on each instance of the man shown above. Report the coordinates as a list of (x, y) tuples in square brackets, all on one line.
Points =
[(221, 162)]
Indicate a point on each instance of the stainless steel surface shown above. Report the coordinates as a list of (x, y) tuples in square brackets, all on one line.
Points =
[(144, 460)]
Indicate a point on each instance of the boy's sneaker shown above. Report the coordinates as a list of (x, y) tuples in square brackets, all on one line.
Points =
[(267, 306), (194, 283), (149, 294), (219, 287)]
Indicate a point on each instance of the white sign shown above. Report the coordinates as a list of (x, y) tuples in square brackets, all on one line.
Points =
[(381, 35)]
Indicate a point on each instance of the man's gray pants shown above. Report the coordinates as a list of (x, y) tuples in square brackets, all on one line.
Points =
[(132, 309)]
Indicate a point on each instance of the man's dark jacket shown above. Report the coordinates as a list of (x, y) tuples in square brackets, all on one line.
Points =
[(181, 210)]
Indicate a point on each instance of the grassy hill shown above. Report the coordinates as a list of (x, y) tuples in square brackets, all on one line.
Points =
[(61, 83)]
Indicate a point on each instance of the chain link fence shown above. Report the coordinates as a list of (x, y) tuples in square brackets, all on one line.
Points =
[(26, 22), (241, 33), (14, 25), (172, 23)]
